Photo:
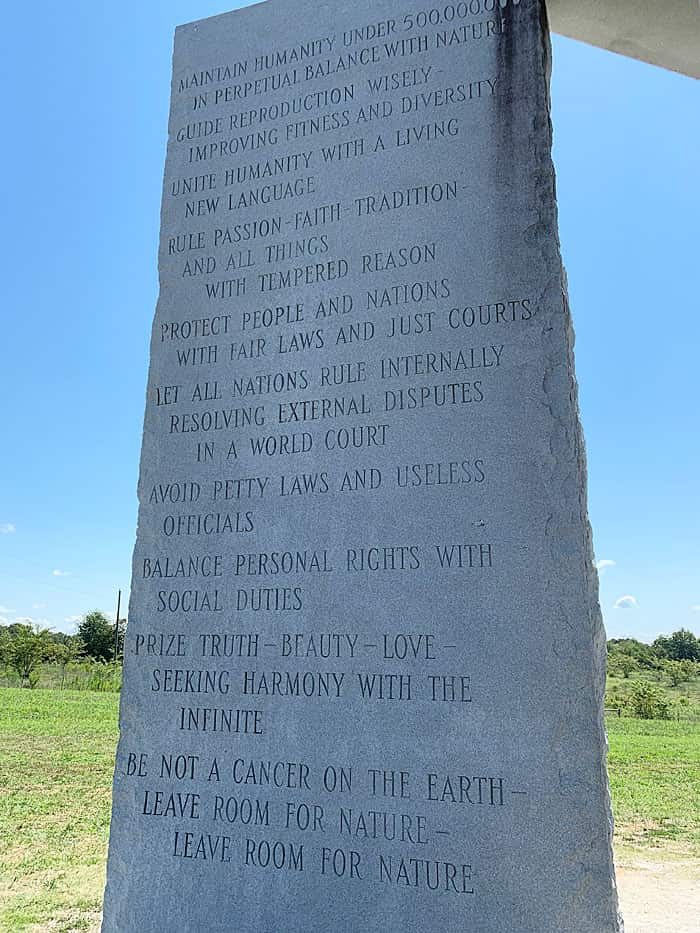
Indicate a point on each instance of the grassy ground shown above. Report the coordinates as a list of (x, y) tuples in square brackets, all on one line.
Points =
[(654, 769), (56, 759)]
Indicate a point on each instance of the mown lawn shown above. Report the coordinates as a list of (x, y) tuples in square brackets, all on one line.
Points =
[(56, 759), (654, 769)]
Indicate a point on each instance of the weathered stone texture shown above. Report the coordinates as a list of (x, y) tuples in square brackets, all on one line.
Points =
[(363, 552)]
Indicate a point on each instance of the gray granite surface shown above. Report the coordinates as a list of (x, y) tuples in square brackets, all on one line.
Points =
[(364, 663)]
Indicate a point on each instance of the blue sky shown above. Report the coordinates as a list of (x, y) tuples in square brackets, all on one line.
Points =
[(86, 88)]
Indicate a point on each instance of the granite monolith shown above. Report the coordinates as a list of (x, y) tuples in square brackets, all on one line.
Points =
[(364, 664)]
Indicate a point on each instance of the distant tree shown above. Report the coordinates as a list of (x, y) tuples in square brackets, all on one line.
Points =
[(65, 653), (648, 701), (62, 638), (643, 655), (680, 646), (25, 651), (680, 672), (97, 636), (627, 664), (676, 674)]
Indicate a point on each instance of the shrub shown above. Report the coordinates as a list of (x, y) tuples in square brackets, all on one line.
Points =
[(680, 672), (647, 701)]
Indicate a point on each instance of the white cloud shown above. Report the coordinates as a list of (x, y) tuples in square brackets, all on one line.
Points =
[(603, 565), (4, 621), (30, 620), (73, 620), (6, 609), (60, 573), (695, 608), (7, 528), (626, 602), (38, 605)]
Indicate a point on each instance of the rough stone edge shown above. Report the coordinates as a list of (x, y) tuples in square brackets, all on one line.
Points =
[(117, 865), (550, 247)]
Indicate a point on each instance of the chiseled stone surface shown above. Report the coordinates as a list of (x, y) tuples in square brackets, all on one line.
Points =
[(364, 662)]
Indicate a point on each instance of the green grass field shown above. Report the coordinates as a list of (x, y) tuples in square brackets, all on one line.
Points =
[(56, 759), (654, 769)]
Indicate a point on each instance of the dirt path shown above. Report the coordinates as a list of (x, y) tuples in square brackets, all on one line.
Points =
[(659, 897)]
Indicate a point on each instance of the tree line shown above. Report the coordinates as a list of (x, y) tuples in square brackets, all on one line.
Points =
[(628, 654), (25, 648), (648, 670)]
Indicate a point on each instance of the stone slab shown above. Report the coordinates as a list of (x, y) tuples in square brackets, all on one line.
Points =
[(364, 663), (665, 34)]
